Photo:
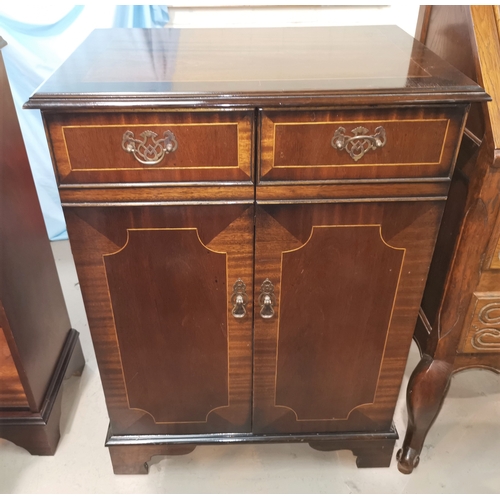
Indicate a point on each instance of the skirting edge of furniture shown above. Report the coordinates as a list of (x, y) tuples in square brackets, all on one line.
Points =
[(132, 453), (39, 433)]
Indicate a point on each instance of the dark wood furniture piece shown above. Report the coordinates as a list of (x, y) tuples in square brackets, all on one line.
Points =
[(252, 214), (38, 347), (459, 322)]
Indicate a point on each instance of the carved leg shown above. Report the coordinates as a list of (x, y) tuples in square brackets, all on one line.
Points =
[(376, 453), (134, 459), (427, 388)]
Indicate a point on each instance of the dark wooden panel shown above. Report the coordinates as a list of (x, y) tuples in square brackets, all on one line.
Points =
[(273, 66), (168, 293), (11, 389), (298, 145), (170, 273), (363, 325), (337, 298), (210, 146), (30, 292)]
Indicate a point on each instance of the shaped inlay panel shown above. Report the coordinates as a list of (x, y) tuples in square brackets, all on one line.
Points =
[(168, 292), (337, 298)]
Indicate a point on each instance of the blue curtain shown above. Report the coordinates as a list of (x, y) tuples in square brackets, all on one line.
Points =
[(33, 53), (141, 16)]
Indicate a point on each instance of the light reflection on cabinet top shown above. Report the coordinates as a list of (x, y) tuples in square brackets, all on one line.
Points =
[(252, 66)]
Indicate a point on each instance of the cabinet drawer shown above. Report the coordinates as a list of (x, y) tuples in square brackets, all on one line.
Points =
[(151, 147), (359, 144)]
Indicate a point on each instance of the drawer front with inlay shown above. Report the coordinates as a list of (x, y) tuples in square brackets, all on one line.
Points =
[(359, 144), (151, 147)]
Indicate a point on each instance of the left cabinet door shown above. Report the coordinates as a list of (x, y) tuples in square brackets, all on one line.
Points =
[(158, 284)]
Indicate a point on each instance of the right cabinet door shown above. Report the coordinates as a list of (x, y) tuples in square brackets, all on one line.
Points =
[(337, 294)]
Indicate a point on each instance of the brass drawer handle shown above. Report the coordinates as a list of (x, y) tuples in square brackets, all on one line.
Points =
[(239, 299), (267, 299), (149, 150), (360, 143)]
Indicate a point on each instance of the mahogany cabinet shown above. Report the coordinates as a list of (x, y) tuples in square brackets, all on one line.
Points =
[(252, 215), (459, 320), (38, 347)]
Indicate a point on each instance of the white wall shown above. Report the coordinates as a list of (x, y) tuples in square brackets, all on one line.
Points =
[(248, 13)]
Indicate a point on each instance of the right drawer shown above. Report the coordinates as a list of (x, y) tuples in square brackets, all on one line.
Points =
[(414, 142)]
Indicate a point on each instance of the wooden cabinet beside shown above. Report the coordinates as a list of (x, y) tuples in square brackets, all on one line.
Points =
[(252, 215), (458, 326), (38, 347)]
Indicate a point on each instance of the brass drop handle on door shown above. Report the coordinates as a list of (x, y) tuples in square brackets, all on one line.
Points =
[(149, 150), (239, 299), (267, 299)]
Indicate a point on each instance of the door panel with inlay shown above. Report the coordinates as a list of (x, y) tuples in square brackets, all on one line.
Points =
[(159, 285), (347, 280)]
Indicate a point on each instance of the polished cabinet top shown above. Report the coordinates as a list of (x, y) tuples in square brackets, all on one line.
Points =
[(252, 66)]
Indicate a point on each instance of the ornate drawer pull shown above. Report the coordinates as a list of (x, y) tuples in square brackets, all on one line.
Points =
[(267, 299), (360, 143), (149, 150), (239, 299)]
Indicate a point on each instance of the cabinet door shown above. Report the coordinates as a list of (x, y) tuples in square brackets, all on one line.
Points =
[(347, 280), (157, 283)]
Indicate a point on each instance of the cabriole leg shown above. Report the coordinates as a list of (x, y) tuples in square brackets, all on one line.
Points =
[(427, 388)]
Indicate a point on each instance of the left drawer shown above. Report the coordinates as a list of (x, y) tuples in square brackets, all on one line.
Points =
[(151, 147)]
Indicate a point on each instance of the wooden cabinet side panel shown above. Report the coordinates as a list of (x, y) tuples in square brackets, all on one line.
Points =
[(30, 291), (157, 283)]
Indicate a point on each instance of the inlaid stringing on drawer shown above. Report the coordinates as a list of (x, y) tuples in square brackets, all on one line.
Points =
[(358, 144)]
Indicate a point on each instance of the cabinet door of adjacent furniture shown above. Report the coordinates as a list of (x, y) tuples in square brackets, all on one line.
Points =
[(159, 288), (337, 294)]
